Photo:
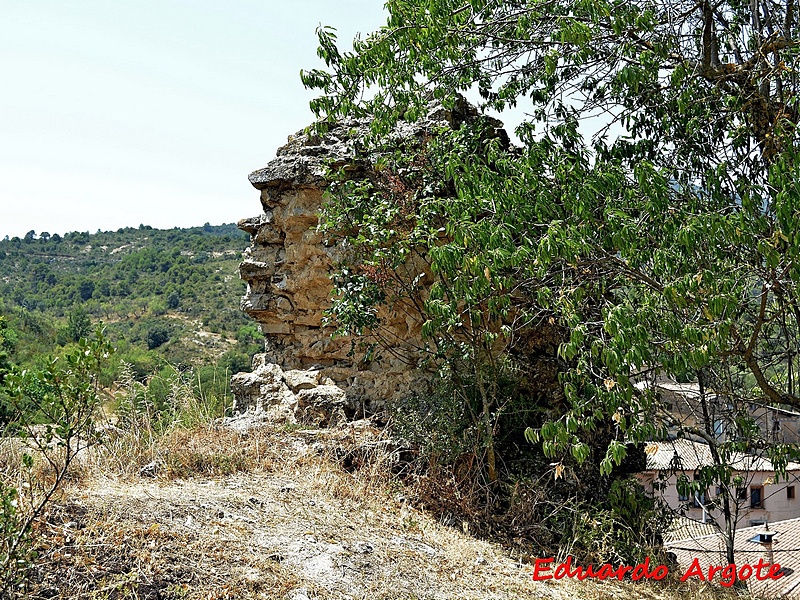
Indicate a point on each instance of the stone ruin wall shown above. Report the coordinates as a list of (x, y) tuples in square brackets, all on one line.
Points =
[(305, 374), (288, 271)]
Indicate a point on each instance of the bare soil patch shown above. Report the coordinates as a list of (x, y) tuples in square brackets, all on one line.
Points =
[(295, 526)]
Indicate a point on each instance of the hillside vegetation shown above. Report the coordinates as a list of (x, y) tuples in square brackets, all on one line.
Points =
[(168, 300)]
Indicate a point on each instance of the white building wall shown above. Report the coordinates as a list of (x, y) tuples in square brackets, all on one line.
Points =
[(777, 506)]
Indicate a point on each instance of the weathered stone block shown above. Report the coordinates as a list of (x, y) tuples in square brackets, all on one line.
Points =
[(322, 405), (302, 380)]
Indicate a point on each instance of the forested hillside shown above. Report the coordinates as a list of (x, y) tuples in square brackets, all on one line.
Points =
[(169, 300)]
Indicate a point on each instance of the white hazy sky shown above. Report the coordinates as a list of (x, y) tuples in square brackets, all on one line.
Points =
[(115, 113)]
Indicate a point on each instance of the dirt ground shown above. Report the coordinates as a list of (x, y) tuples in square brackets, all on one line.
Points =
[(296, 528)]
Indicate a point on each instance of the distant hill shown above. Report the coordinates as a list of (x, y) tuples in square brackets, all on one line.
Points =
[(165, 296)]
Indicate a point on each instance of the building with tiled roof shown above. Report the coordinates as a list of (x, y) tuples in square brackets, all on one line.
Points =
[(777, 542), (760, 495), (682, 400)]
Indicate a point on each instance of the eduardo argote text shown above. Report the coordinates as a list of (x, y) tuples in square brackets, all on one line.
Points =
[(544, 569)]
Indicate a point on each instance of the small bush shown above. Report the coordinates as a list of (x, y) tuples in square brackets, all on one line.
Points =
[(16, 554), (438, 425), (157, 336), (53, 418)]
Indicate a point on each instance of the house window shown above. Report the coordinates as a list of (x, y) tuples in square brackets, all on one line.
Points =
[(699, 497), (741, 494), (790, 492), (683, 487), (756, 496)]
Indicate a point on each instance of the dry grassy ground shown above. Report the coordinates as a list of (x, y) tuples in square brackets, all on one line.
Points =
[(272, 514)]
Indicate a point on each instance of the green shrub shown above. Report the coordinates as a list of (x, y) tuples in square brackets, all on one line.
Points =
[(157, 336), (16, 554), (53, 412), (437, 424), (79, 325)]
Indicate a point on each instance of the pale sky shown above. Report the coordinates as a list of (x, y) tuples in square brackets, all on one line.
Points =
[(115, 113)]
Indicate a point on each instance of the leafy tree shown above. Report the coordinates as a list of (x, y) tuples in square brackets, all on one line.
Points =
[(104, 288), (156, 336), (78, 324), (666, 241), (86, 289), (173, 300)]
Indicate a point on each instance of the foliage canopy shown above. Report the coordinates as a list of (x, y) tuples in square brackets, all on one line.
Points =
[(665, 241)]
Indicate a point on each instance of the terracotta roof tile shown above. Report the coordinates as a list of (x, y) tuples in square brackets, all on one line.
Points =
[(683, 527), (688, 455), (710, 550)]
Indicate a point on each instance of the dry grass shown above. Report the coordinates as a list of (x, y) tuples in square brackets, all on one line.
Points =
[(272, 514), (179, 452)]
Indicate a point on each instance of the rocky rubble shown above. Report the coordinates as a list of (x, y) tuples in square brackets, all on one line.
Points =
[(269, 393)]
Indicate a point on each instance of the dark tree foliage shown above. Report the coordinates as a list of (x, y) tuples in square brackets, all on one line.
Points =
[(157, 336), (174, 299), (86, 289)]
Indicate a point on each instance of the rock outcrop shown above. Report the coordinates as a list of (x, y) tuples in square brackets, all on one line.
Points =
[(269, 393), (288, 269)]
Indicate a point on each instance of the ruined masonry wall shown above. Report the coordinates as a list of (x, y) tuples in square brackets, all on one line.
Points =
[(287, 269)]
